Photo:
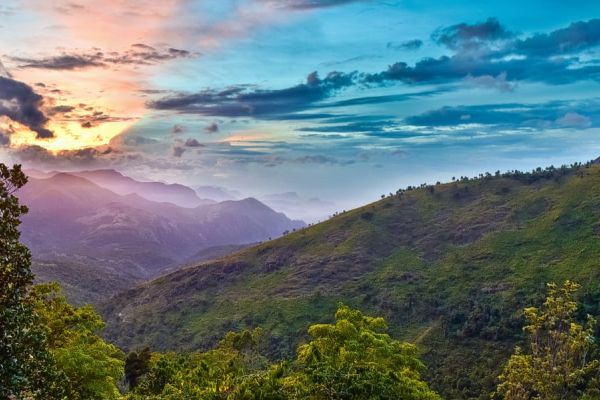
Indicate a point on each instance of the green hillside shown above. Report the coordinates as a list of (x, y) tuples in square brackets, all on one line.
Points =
[(450, 266)]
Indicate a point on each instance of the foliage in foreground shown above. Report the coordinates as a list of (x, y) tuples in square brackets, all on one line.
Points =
[(91, 367), (48, 349), (26, 366), (559, 363), (354, 358)]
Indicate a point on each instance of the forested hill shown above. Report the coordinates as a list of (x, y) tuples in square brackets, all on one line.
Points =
[(450, 266)]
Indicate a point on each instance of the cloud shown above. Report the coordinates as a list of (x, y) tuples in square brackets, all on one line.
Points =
[(576, 37), (177, 150), (464, 36), (142, 54), (61, 109), (359, 126), (4, 139), (193, 143), (132, 141), (555, 114), (238, 101), (94, 118), (310, 4), (4, 72), (138, 54), (177, 129), (62, 62), (413, 44), (492, 82), (319, 159), (488, 50), (447, 69), (212, 128), (21, 104), (39, 155), (485, 55), (574, 120)]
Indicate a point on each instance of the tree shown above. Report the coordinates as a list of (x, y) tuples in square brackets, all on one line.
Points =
[(91, 366), (356, 359), (136, 366), (26, 366), (214, 374), (559, 362)]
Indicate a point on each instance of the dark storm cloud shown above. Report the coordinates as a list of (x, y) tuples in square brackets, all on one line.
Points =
[(413, 44), (241, 101), (138, 54), (21, 104)]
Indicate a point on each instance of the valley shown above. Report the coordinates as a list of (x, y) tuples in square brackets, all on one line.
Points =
[(126, 238), (450, 266)]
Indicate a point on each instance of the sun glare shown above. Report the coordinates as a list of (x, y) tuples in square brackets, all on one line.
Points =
[(68, 135)]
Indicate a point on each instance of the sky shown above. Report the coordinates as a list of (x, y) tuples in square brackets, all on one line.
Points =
[(321, 104)]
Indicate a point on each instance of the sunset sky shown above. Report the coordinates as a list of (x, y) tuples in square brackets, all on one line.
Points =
[(338, 100)]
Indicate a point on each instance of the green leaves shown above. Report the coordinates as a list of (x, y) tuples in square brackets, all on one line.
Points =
[(26, 366), (91, 366), (354, 358), (558, 364)]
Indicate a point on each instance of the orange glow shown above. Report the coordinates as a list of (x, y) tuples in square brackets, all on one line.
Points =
[(69, 135)]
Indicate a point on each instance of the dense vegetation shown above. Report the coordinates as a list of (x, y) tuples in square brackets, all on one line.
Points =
[(351, 359), (449, 266), (459, 303)]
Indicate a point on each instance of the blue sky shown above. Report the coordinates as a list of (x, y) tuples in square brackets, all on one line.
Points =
[(332, 99)]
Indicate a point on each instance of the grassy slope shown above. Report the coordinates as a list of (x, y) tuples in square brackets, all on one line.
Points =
[(450, 270), (84, 280)]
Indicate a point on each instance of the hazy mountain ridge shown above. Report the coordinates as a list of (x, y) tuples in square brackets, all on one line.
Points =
[(175, 193), (450, 266), (70, 215)]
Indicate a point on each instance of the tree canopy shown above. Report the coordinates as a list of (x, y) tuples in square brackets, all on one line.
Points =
[(558, 362), (354, 358)]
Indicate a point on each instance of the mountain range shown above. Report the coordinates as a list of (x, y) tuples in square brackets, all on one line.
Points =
[(124, 234), (450, 266)]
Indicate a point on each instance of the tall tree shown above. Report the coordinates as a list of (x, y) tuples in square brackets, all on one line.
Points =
[(26, 366), (558, 362)]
